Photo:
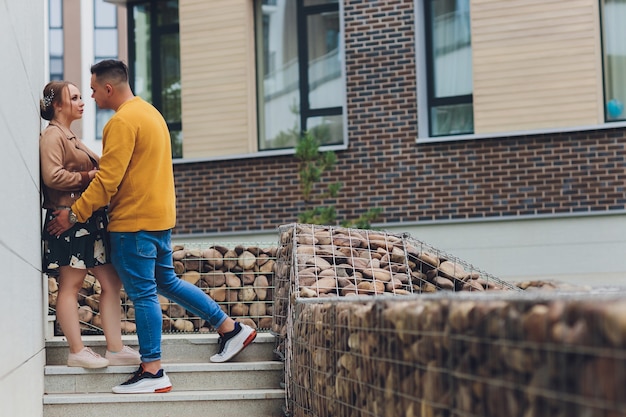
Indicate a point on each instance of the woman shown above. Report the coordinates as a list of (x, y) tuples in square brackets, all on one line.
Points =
[(67, 167)]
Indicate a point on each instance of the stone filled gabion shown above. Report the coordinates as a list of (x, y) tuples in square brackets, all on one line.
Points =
[(454, 354), (377, 324), (238, 277), (316, 261)]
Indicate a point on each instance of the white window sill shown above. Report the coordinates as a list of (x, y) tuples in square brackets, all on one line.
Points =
[(451, 138)]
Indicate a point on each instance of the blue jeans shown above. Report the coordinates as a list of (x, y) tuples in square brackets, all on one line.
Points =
[(143, 260)]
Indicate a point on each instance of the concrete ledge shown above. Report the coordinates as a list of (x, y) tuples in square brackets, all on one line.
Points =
[(169, 367), (170, 338), (103, 398)]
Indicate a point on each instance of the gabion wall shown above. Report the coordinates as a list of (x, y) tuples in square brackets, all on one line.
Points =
[(376, 324), (238, 277), (323, 261), (460, 355)]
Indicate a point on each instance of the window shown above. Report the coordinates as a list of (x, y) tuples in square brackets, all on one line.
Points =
[(300, 84), (614, 54), (105, 47), (55, 27), (155, 62), (449, 67)]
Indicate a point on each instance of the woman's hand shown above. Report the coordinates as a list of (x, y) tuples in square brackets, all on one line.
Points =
[(92, 174)]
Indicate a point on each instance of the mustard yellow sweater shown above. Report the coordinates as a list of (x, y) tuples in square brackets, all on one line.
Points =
[(136, 176)]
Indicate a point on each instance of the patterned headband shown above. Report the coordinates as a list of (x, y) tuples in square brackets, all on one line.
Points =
[(47, 100)]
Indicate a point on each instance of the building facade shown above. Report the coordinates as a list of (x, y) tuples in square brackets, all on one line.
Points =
[(79, 34), (511, 157), (493, 130), (22, 301)]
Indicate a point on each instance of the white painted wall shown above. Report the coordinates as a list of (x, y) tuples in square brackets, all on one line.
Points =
[(22, 72), (581, 250)]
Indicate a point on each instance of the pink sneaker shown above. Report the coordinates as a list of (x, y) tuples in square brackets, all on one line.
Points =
[(87, 358), (126, 356)]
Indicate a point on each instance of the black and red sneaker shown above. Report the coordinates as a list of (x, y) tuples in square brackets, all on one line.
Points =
[(144, 382)]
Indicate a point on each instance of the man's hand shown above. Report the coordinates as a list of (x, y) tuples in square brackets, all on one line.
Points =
[(60, 223)]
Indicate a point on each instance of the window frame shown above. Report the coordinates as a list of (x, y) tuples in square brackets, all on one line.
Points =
[(306, 112), (604, 59), (103, 113), (60, 28), (423, 117), (432, 101), (156, 33)]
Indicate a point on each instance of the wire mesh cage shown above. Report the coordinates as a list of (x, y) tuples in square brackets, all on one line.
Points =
[(316, 261), (462, 354), (239, 277)]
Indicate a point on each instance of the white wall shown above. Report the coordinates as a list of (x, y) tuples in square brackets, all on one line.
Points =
[(581, 250), (21, 298)]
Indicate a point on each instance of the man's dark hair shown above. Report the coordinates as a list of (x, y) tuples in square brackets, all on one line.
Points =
[(110, 69)]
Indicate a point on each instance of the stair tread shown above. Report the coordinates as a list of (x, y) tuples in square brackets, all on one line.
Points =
[(170, 367), (214, 395), (179, 338)]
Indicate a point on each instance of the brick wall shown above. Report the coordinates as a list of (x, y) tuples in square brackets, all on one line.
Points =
[(384, 167)]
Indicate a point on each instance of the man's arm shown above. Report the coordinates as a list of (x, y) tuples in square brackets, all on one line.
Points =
[(118, 145)]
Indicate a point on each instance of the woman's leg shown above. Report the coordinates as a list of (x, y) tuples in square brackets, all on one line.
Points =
[(70, 283), (110, 306)]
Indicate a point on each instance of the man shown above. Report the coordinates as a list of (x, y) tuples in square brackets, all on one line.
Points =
[(136, 180)]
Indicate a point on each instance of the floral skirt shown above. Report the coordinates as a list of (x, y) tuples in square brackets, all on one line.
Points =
[(83, 246)]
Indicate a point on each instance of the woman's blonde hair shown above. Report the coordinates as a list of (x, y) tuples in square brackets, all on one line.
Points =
[(52, 94)]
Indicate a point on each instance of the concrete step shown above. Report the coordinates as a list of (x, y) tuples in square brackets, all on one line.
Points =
[(176, 348), (249, 385), (222, 403), (60, 379)]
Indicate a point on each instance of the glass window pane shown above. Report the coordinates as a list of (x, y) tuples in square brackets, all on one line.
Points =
[(176, 138), (452, 120), (170, 78), (317, 2), (278, 80), (56, 14), (105, 14), (105, 42), (56, 42), (614, 15), (452, 48), (102, 117), (143, 80), (326, 129), (325, 82), (167, 12), (56, 68)]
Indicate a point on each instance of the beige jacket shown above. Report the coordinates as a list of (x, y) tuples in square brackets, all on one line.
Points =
[(65, 164)]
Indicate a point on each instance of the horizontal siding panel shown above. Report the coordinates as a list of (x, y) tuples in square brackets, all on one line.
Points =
[(536, 64), (506, 11), (521, 38), (540, 93), (532, 62), (217, 70), (547, 116), (228, 108), (223, 96), (548, 101), (534, 74)]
